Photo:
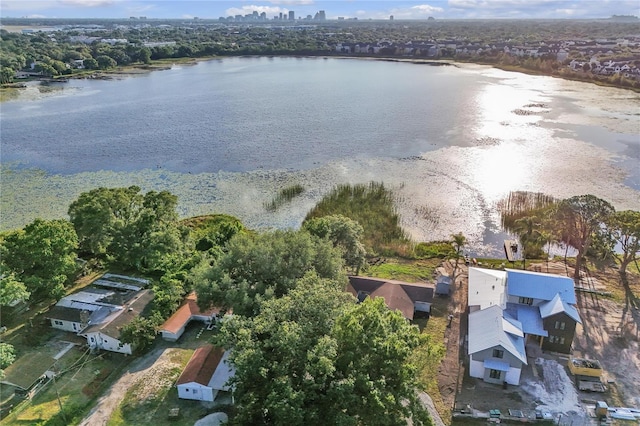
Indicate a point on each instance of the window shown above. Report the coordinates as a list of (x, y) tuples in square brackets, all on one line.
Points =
[(525, 300), (57, 322), (93, 340), (562, 340), (556, 339), (186, 390), (560, 325), (498, 353), (495, 374)]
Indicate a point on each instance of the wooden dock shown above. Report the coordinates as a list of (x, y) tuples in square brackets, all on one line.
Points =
[(511, 250)]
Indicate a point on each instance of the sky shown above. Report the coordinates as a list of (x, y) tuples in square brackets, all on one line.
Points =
[(382, 9)]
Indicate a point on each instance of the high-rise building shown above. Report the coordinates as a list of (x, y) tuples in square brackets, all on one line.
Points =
[(391, 18), (320, 16), (280, 16), (292, 15)]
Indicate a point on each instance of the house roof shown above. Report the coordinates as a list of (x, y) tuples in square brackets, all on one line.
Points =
[(488, 328), (538, 285), (113, 323), (224, 371), (201, 366), (184, 313), (529, 317), (487, 287), (397, 295), (64, 313), (556, 306)]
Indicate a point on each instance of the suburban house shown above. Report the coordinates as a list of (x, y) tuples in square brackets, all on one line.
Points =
[(408, 298), (206, 374), (496, 346), (517, 307), (189, 311), (98, 311), (106, 334)]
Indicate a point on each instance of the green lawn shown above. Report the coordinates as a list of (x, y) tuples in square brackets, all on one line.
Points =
[(149, 400)]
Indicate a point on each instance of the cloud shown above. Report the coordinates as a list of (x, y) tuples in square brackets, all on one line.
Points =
[(247, 10), (36, 16), (25, 5), (87, 3), (425, 8), (292, 2)]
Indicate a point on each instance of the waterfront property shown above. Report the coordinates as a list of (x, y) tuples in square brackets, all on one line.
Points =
[(507, 310), (189, 311), (408, 298), (98, 311), (207, 373)]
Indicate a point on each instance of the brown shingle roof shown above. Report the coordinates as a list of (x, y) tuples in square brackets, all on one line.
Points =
[(397, 295), (184, 313), (129, 312), (201, 366)]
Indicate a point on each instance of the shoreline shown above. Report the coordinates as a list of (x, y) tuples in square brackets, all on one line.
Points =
[(164, 65)]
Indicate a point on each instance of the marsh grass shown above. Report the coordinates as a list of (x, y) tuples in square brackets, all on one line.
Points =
[(284, 196), (520, 204), (372, 205)]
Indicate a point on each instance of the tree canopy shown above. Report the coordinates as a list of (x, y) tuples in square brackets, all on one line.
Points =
[(263, 266), (624, 227), (135, 230), (343, 233), (42, 256), (11, 289), (580, 217), (314, 357)]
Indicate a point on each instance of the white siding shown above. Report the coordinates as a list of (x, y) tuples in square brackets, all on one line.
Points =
[(74, 327), (513, 376), (102, 341), (476, 369), (422, 306), (196, 391)]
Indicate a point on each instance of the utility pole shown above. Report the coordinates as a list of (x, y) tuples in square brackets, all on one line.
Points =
[(55, 385)]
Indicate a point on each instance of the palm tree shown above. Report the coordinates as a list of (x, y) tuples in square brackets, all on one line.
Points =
[(530, 236), (458, 241)]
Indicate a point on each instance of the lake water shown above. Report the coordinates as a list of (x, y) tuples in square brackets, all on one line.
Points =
[(225, 135)]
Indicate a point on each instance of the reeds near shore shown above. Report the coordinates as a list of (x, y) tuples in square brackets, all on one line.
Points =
[(371, 205), (284, 196), (521, 204)]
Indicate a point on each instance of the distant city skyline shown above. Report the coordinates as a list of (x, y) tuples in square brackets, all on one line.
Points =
[(439, 9)]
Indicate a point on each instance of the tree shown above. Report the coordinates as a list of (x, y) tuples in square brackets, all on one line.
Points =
[(90, 64), (6, 75), (343, 233), (580, 217), (531, 238), (140, 333), (624, 227), (313, 357), (106, 62), (374, 345), (458, 241), (137, 231), (7, 357), (262, 267), (42, 256), (11, 289)]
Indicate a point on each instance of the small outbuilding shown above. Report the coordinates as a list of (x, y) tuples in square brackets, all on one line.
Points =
[(443, 285), (207, 373), (189, 311)]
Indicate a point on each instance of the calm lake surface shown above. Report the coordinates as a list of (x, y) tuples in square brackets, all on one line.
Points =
[(225, 135)]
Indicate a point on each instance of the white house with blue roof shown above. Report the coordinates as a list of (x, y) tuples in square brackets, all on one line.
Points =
[(496, 346), (539, 307)]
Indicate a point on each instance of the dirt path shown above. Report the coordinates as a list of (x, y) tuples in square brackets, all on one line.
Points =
[(450, 371), (101, 413)]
